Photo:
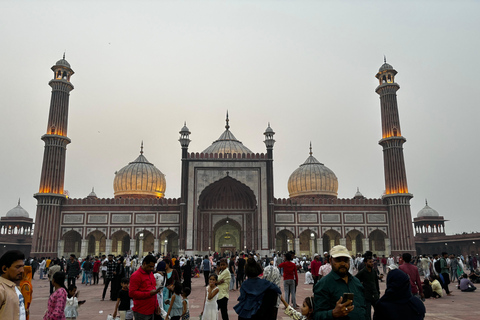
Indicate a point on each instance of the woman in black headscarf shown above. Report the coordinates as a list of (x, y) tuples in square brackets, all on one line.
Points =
[(398, 301)]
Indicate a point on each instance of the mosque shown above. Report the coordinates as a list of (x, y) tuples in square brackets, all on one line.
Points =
[(227, 202)]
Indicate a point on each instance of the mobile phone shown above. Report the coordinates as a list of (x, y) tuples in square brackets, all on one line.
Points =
[(347, 296)]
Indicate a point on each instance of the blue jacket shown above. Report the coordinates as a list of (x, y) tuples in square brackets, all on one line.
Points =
[(251, 296)]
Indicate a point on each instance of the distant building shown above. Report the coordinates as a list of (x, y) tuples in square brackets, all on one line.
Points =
[(227, 201), (16, 230), (430, 237)]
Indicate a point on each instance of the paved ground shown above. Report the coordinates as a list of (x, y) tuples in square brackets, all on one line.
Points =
[(460, 306)]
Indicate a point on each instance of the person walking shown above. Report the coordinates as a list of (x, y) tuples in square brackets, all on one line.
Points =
[(110, 265), (414, 276), (444, 270), (206, 267), (231, 268), (290, 279), (58, 300), (73, 270), (223, 283), (143, 291), (369, 279)]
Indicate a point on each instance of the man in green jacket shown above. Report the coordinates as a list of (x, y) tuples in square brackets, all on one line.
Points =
[(328, 292)]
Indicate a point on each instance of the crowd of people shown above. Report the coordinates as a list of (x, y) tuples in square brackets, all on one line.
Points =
[(158, 286)]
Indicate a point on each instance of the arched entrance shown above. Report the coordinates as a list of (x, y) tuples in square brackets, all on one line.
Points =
[(96, 243), (120, 243), (354, 242), (331, 238), (145, 243), (169, 242), (72, 243), (284, 241), (308, 245), (227, 237), (223, 198), (377, 242)]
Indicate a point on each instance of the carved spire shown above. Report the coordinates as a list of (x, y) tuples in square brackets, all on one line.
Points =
[(141, 148), (227, 120)]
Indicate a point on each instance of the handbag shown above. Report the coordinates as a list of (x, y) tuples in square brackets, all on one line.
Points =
[(186, 316)]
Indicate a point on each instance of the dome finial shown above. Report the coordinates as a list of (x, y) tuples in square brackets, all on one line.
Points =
[(64, 54), (93, 189), (384, 59), (18, 201), (426, 202), (141, 148), (227, 120), (311, 153)]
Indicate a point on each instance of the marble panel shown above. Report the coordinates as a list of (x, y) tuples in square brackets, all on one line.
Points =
[(308, 217), (73, 218), (97, 218), (121, 218), (353, 218), (285, 217), (376, 218), (331, 217)]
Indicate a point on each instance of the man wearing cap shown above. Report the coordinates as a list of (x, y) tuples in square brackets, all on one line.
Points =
[(329, 291)]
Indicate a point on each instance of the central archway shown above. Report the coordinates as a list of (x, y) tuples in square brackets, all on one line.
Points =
[(223, 198)]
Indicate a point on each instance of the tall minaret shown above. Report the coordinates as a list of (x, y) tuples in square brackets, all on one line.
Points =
[(396, 191), (51, 195)]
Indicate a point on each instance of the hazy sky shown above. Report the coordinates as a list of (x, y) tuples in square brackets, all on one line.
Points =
[(142, 68)]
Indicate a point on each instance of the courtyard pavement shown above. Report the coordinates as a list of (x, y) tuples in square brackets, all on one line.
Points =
[(462, 305)]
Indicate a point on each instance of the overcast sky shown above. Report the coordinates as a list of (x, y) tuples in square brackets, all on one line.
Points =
[(142, 68)]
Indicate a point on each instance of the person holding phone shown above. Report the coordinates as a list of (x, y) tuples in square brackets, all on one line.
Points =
[(339, 294)]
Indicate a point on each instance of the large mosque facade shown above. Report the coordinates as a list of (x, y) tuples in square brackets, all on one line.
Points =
[(227, 201)]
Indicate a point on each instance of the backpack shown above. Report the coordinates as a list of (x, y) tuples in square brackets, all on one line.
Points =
[(437, 266)]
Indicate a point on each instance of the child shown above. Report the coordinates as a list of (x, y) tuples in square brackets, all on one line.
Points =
[(306, 310), (175, 309), (210, 311), (186, 310), (71, 308), (123, 302)]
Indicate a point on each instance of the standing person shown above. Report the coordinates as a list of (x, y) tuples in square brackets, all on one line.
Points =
[(11, 272), (453, 268), (326, 268), (412, 271), (171, 276), (425, 263), (118, 275), (272, 274), (398, 303), (445, 274), (369, 279), (35, 266), (390, 261), (96, 269), (143, 290), (240, 270), (223, 283), (123, 302), (258, 297), (87, 270), (103, 268), (206, 267), (41, 267), (26, 288), (290, 279), (331, 287), (73, 270), (72, 304), (315, 267), (175, 309), (54, 268), (210, 310), (187, 274), (231, 268), (58, 300), (110, 265), (384, 264), (127, 266)]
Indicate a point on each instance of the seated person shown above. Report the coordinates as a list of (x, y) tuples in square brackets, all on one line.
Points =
[(427, 289), (466, 285), (436, 287), (474, 277)]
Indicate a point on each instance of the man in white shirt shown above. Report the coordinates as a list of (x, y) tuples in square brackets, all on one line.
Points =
[(42, 268), (104, 267)]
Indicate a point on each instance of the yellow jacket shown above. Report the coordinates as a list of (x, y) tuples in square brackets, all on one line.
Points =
[(9, 303)]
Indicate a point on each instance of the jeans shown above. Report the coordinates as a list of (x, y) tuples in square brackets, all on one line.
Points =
[(71, 280), (454, 275), (446, 280), (239, 279), (107, 282), (289, 288), (41, 273), (139, 316), (88, 277), (232, 282), (95, 277), (206, 274), (222, 305)]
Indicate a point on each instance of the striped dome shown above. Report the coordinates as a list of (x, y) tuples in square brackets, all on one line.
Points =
[(139, 179), (312, 179)]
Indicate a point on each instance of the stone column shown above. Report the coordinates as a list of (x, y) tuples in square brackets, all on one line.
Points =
[(320, 246), (108, 246), (366, 245), (343, 242), (297, 245), (388, 247), (140, 247), (84, 249), (312, 247), (133, 246), (156, 246), (61, 245)]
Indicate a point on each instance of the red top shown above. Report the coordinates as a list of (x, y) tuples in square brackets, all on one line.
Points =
[(96, 266), (412, 272), (289, 271), (141, 283), (315, 265)]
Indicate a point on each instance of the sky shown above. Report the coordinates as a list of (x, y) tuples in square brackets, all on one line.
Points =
[(308, 68)]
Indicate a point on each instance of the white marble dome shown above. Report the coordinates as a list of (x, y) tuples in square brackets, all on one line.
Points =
[(427, 212), (18, 212), (227, 143)]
